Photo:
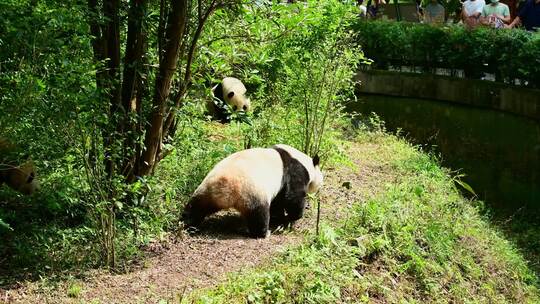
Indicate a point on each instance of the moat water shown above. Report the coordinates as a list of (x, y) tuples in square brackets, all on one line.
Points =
[(498, 152)]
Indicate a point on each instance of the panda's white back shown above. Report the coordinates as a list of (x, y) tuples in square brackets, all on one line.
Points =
[(255, 171)]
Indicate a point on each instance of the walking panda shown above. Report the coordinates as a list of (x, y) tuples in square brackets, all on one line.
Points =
[(260, 183), (232, 92)]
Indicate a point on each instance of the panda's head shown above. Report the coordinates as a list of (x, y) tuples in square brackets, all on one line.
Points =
[(234, 94), (18, 177), (22, 178), (316, 176)]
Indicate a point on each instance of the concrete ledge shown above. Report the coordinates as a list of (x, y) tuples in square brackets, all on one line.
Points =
[(479, 93)]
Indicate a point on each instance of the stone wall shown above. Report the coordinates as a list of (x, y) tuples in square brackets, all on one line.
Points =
[(480, 93)]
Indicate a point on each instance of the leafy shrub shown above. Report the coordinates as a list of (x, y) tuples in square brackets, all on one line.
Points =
[(297, 56), (509, 54)]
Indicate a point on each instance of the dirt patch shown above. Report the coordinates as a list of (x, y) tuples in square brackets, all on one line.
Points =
[(200, 260)]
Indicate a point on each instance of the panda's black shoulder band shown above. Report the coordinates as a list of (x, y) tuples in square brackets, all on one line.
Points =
[(295, 175), (285, 156)]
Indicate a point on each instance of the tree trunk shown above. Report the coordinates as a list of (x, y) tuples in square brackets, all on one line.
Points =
[(176, 24), (170, 124), (132, 86), (176, 41), (105, 27)]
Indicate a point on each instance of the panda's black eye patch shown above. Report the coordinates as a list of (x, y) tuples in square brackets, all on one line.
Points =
[(31, 177), (244, 107), (234, 108), (230, 95)]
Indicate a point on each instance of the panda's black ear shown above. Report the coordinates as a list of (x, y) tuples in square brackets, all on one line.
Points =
[(230, 95), (316, 160)]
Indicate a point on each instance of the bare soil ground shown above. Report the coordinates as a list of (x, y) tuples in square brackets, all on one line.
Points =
[(200, 260)]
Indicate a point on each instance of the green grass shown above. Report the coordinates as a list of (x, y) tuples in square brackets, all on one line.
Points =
[(420, 241), (74, 290)]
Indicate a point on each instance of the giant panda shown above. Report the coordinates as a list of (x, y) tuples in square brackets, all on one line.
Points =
[(260, 183), (230, 91), (19, 177)]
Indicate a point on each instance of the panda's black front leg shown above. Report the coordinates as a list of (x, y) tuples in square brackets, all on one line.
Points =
[(295, 209), (277, 213), (258, 220)]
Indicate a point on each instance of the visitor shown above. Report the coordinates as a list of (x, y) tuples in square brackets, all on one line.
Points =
[(471, 11), (528, 15), (420, 10), (496, 14), (373, 7), (434, 13), (362, 7)]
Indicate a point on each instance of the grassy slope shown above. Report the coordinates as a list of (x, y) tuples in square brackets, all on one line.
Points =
[(419, 241)]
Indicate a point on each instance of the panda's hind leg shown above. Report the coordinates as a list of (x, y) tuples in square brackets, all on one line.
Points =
[(257, 216), (258, 221), (197, 209)]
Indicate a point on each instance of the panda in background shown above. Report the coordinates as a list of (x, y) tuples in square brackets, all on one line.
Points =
[(232, 92), (261, 183), (21, 178)]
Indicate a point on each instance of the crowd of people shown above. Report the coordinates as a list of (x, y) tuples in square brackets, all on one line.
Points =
[(497, 14), (474, 13)]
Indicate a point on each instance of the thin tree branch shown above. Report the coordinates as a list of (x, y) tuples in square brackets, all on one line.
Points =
[(161, 28), (97, 39)]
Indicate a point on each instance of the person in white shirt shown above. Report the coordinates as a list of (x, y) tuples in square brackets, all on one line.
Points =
[(471, 11)]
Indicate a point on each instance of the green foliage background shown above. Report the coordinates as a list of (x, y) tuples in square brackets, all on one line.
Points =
[(50, 106)]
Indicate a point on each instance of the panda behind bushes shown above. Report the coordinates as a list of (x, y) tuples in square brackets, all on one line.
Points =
[(228, 96), (18, 175), (263, 184)]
